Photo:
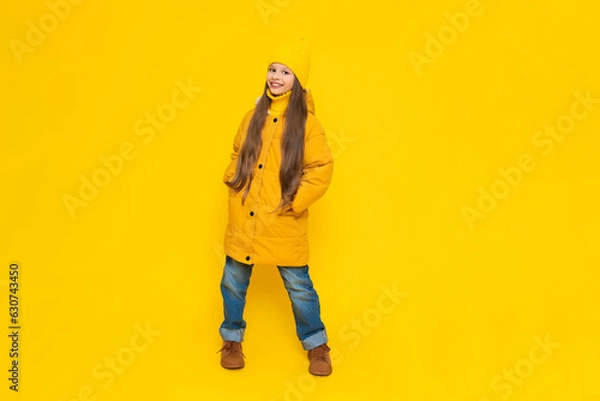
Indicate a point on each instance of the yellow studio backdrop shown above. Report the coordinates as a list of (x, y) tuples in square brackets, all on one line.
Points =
[(456, 252)]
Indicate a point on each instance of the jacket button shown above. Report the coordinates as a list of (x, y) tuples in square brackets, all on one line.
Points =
[(275, 120), (251, 213), (260, 166), (247, 257)]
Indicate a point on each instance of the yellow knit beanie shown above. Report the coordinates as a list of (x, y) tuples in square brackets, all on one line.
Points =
[(296, 56)]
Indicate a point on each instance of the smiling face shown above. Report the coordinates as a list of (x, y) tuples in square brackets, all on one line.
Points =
[(280, 79)]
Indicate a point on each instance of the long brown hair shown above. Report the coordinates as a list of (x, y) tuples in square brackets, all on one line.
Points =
[(292, 146)]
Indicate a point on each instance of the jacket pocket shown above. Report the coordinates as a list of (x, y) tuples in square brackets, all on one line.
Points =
[(275, 224)]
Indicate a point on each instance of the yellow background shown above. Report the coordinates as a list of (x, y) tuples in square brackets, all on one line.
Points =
[(411, 149)]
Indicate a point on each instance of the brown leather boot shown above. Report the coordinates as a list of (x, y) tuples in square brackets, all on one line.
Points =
[(231, 355), (320, 362)]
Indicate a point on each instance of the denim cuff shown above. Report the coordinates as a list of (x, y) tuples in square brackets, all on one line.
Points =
[(315, 340), (236, 335)]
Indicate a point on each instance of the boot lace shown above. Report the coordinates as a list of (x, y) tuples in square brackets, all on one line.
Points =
[(232, 347), (320, 352)]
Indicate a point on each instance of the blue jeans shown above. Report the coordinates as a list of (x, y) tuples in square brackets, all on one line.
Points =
[(304, 299)]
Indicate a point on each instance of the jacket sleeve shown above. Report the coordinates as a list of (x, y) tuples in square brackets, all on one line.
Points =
[(317, 171), (237, 144)]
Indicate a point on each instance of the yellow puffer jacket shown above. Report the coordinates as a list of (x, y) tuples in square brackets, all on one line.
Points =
[(257, 232)]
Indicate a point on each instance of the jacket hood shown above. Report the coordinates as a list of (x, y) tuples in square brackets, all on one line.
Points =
[(310, 103)]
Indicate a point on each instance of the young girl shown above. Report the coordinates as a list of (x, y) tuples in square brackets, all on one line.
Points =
[(280, 165)]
